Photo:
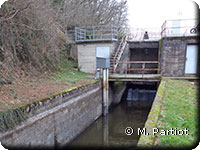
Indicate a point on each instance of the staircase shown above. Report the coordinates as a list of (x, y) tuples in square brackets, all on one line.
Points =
[(116, 56)]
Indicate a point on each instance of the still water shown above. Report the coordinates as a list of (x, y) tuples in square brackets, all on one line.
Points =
[(110, 130)]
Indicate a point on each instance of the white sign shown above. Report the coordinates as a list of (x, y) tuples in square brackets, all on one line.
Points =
[(103, 52)]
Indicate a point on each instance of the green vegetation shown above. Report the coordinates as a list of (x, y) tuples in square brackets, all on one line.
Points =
[(16, 105), (179, 111), (148, 140), (159, 53), (71, 76), (11, 118), (116, 83), (68, 71)]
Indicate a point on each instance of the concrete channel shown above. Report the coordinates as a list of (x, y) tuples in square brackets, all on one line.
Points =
[(68, 116)]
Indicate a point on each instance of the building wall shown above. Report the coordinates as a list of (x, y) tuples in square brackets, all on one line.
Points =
[(173, 55), (144, 51), (58, 121), (87, 55)]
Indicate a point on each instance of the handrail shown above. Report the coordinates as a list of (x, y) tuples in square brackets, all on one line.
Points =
[(143, 68), (139, 62), (96, 33), (183, 27), (137, 34)]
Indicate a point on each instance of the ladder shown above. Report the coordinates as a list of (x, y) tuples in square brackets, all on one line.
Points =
[(116, 56)]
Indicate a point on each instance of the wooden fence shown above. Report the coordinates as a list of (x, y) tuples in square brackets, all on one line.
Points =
[(129, 67)]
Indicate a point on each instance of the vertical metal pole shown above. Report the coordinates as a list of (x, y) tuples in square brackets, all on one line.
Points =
[(105, 131), (105, 92)]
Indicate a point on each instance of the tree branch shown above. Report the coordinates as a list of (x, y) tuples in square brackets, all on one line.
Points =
[(16, 12)]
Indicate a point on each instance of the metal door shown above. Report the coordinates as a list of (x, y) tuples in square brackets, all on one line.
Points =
[(191, 59)]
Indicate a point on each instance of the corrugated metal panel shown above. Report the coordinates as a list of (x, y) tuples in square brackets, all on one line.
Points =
[(103, 62)]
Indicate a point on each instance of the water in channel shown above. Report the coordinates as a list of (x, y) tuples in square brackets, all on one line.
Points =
[(110, 130)]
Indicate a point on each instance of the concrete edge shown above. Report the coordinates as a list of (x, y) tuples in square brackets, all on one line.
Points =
[(47, 113), (15, 116), (148, 140)]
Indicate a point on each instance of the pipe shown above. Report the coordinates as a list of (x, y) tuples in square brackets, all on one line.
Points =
[(105, 91)]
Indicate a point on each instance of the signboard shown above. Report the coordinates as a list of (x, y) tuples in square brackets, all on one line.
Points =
[(103, 52)]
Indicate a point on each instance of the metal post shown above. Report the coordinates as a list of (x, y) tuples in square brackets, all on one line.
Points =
[(105, 131), (105, 91)]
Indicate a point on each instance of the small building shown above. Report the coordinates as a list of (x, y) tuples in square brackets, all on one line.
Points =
[(169, 52), (93, 43), (175, 47), (179, 55)]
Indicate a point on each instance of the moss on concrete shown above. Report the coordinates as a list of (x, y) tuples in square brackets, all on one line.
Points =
[(161, 89), (116, 83), (159, 52), (13, 117), (148, 140)]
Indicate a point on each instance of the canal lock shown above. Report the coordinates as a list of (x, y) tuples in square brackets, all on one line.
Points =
[(131, 112)]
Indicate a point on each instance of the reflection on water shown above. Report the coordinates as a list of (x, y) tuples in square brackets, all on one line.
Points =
[(110, 130)]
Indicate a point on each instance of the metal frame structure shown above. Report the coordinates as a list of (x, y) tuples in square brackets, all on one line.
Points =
[(183, 27), (170, 28), (96, 33), (137, 34)]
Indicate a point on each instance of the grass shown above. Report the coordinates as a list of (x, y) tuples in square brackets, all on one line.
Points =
[(69, 73), (180, 110), (26, 90), (71, 76)]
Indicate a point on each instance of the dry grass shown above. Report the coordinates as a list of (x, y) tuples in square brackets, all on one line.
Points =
[(28, 89)]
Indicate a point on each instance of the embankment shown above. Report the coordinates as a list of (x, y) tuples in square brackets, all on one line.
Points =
[(57, 120)]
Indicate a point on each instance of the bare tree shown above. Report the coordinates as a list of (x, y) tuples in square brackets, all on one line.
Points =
[(32, 32)]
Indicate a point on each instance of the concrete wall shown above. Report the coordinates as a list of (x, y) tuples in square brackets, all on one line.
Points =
[(116, 91), (87, 55), (144, 51), (173, 55), (147, 141), (59, 120)]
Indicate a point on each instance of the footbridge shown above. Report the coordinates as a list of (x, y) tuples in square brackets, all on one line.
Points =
[(139, 64)]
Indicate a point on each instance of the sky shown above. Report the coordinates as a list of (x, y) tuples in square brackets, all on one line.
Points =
[(153, 13)]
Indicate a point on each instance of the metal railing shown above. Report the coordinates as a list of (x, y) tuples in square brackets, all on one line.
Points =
[(139, 67), (181, 27), (137, 34), (96, 33)]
